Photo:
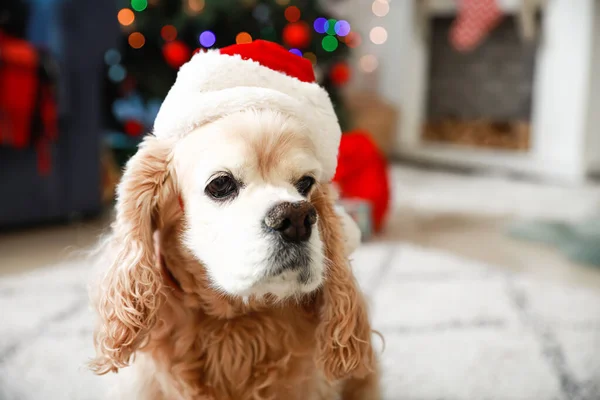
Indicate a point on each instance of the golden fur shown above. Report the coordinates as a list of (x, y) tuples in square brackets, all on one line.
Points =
[(161, 313)]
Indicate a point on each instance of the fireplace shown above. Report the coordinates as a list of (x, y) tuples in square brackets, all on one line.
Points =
[(530, 107), (482, 98)]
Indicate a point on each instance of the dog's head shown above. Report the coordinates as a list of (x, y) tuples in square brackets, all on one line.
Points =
[(255, 212), (246, 183)]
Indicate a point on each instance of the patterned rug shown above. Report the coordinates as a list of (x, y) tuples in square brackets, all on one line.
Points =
[(454, 329)]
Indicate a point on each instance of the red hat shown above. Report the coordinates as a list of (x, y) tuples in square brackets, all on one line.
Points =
[(258, 75)]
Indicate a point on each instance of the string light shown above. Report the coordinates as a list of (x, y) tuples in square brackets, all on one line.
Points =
[(368, 63), (342, 28), (243, 37), (296, 52), (207, 39), (380, 8), (125, 17), (116, 73), (195, 6), (310, 56), (168, 33), (378, 35), (292, 14), (330, 26), (329, 43), (136, 40), (319, 25), (139, 5), (112, 57), (353, 40)]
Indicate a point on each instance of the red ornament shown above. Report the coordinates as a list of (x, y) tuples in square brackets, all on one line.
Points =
[(340, 74), (296, 34), (362, 173), (133, 128), (176, 53)]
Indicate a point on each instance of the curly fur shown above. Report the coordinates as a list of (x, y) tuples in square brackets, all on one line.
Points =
[(184, 339)]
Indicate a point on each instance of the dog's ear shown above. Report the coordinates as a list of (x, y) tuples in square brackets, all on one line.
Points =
[(130, 292), (344, 333)]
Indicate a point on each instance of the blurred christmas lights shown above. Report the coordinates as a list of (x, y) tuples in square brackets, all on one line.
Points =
[(207, 39), (136, 40), (176, 53), (262, 13), (243, 37), (296, 34), (329, 43), (282, 2), (139, 5), (319, 25), (342, 28), (368, 63), (353, 40), (378, 35), (168, 33), (296, 52), (125, 17), (310, 56), (195, 6), (330, 26), (380, 8), (116, 73), (292, 14), (112, 57)]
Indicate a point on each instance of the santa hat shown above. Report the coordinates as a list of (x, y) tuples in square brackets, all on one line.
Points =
[(257, 75)]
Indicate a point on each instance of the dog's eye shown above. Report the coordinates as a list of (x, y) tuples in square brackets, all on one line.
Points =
[(305, 184), (222, 187)]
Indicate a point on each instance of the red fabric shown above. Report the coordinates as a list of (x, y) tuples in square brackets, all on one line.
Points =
[(476, 18), (18, 91), (23, 98), (362, 173), (275, 57)]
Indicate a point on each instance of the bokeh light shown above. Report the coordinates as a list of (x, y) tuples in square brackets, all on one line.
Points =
[(330, 26), (262, 13), (342, 28), (125, 17), (268, 33), (139, 5), (207, 39), (353, 40), (380, 8), (368, 63), (296, 35), (282, 2), (310, 56), (378, 35), (292, 14), (112, 57), (136, 40), (296, 52), (168, 33), (195, 6), (116, 73), (243, 37), (329, 43), (320, 25)]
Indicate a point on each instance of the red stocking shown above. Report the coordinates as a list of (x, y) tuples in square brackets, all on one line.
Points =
[(476, 18)]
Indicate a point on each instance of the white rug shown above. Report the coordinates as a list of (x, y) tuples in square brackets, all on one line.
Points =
[(454, 330)]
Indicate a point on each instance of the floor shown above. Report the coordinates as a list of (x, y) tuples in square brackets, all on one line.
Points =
[(476, 237)]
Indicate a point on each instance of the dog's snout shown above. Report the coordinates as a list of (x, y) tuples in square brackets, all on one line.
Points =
[(293, 220)]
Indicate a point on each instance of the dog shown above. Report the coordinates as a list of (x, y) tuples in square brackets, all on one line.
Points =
[(226, 275)]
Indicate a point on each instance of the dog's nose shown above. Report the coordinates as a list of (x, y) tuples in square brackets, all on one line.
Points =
[(293, 220)]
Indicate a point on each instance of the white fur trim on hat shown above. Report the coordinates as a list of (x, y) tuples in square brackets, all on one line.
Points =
[(212, 85)]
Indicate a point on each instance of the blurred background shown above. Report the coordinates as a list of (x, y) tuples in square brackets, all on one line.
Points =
[(469, 159)]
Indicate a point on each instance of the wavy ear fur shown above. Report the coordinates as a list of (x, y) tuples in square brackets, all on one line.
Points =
[(344, 333), (130, 291)]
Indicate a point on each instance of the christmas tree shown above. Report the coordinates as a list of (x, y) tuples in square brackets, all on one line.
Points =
[(160, 35)]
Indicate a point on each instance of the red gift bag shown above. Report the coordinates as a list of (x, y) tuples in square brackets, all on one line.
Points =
[(362, 173)]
